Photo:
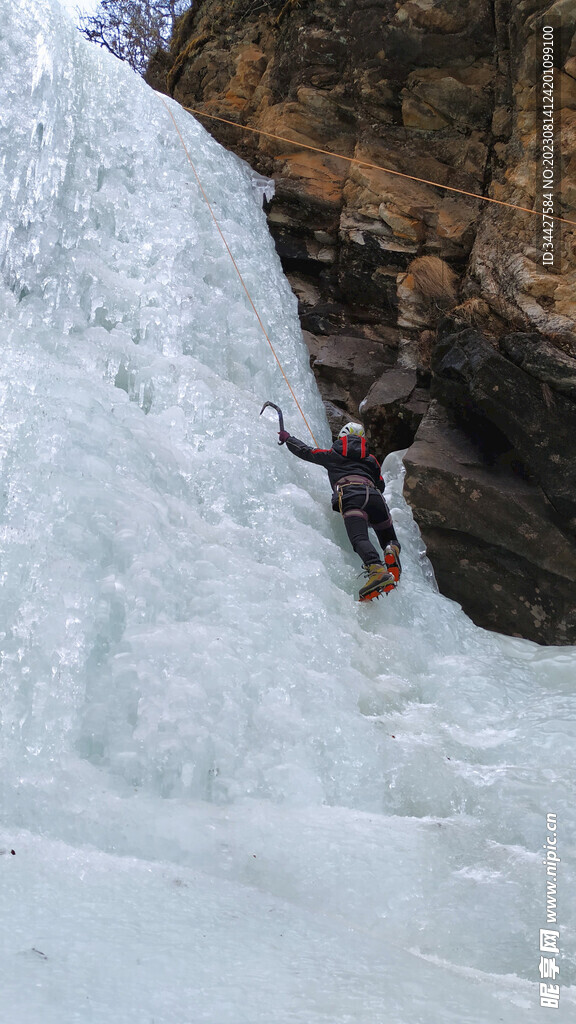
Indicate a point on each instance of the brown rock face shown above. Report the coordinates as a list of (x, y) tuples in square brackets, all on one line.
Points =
[(503, 405), (492, 536), (446, 93), (341, 76)]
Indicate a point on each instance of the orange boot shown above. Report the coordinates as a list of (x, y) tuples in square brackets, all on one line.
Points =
[(392, 560), (379, 581)]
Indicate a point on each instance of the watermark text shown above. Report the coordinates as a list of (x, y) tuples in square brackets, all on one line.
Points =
[(549, 968), (548, 169)]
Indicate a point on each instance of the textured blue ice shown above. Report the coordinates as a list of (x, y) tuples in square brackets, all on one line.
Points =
[(234, 794)]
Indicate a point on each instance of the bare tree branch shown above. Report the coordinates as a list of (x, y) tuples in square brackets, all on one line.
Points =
[(133, 30)]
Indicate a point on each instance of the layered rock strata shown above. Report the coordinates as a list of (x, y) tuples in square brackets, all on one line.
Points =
[(452, 94)]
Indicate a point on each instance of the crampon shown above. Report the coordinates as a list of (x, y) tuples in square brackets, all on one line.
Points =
[(380, 581)]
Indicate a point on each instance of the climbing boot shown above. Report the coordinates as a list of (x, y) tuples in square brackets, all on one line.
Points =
[(392, 560), (379, 581)]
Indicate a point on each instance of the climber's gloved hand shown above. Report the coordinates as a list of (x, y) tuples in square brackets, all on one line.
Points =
[(283, 435)]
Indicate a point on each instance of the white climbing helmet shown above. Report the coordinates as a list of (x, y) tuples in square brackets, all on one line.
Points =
[(356, 429)]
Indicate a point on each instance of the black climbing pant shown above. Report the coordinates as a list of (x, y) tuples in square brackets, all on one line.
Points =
[(359, 514)]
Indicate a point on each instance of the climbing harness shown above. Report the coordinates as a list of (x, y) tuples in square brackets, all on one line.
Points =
[(354, 481), (237, 269)]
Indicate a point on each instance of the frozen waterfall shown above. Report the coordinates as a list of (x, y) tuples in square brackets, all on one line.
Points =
[(234, 795)]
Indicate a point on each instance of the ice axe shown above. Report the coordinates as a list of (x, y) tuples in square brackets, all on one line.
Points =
[(278, 410)]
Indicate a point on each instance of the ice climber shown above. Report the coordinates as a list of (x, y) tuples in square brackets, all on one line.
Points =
[(357, 492)]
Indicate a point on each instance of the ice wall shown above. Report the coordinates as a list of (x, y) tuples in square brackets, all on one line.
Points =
[(234, 794)]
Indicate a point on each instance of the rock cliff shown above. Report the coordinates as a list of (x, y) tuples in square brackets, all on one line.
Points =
[(429, 313)]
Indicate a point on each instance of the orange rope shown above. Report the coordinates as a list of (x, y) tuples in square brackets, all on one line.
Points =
[(264, 331), (378, 167)]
